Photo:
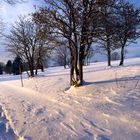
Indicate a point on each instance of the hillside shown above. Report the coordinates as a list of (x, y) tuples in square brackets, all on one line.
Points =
[(106, 107)]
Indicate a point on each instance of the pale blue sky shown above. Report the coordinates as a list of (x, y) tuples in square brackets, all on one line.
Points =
[(137, 2), (10, 14)]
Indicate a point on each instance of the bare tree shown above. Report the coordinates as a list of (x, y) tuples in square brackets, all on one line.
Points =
[(77, 23), (92, 51), (128, 25), (62, 56), (72, 21), (106, 27), (26, 40)]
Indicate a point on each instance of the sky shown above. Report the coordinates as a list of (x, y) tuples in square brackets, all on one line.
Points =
[(136, 2), (10, 13)]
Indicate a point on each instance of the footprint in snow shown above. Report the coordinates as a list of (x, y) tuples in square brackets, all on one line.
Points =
[(39, 111), (27, 138), (102, 137)]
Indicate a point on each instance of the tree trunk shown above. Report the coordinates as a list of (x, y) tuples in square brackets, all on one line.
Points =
[(32, 72), (108, 53), (72, 71), (81, 62), (42, 67), (81, 71), (109, 57), (31, 68), (36, 71), (36, 66), (122, 56), (28, 73), (65, 61), (74, 77), (76, 66)]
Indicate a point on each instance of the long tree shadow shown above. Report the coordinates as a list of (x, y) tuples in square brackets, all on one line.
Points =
[(122, 79), (4, 78)]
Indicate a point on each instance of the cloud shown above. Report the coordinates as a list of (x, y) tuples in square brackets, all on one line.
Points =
[(10, 13)]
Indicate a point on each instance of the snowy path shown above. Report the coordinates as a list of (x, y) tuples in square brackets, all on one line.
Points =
[(58, 119), (103, 109), (6, 132)]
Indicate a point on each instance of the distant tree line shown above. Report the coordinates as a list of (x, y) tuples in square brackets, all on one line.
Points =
[(15, 67), (70, 28)]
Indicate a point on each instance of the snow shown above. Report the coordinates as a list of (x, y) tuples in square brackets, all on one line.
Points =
[(106, 107)]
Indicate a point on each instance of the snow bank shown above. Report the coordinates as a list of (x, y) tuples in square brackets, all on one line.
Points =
[(106, 107)]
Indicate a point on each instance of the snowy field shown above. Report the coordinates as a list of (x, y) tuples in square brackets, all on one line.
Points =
[(107, 107)]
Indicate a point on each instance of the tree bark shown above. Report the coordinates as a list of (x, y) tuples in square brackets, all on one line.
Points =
[(65, 61), (122, 56), (36, 67), (108, 53), (36, 71), (72, 71), (81, 58), (109, 57), (31, 68), (31, 72)]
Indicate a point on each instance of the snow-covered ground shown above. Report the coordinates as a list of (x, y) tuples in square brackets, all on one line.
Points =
[(107, 107)]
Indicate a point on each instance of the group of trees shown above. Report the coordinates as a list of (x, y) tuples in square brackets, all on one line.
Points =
[(110, 23), (28, 40), (71, 27), (15, 67), (119, 23)]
